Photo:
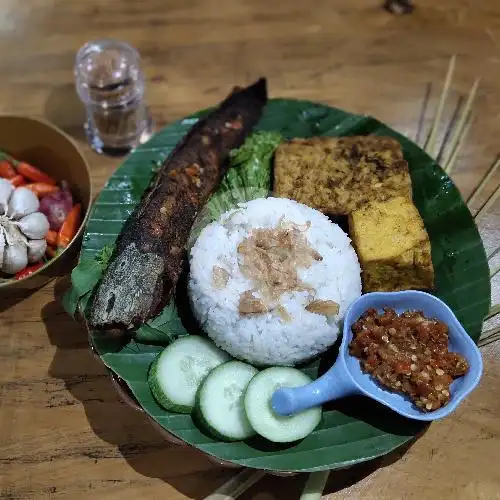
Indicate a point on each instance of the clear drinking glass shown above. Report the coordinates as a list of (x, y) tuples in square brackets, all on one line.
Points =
[(110, 84)]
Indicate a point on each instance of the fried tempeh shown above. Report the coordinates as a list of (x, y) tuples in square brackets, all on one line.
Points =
[(150, 252), (337, 175), (393, 246)]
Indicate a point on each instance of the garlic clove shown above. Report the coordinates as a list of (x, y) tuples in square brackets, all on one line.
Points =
[(15, 258), (2, 245), (22, 202), (13, 235), (34, 226), (6, 189), (36, 250), (15, 252)]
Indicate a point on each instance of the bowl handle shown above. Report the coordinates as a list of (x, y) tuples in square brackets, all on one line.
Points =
[(336, 383)]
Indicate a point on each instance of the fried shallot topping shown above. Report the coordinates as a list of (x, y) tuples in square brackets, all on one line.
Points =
[(250, 304), (270, 259), (220, 277), (324, 307)]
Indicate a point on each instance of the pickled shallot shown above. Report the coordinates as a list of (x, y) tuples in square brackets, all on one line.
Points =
[(56, 206)]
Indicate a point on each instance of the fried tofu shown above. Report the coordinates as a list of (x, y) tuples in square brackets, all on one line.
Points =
[(337, 175), (392, 246)]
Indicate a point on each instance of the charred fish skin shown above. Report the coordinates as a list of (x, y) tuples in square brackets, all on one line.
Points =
[(150, 252)]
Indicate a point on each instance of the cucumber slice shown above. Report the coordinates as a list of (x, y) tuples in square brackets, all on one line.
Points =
[(267, 423), (177, 372), (220, 401)]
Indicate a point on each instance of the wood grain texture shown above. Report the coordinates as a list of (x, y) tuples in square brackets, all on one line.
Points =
[(63, 430)]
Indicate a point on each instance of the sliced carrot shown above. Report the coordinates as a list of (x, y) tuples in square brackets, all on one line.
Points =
[(50, 251), (69, 227), (51, 238), (42, 188), (7, 171), (18, 180), (33, 174)]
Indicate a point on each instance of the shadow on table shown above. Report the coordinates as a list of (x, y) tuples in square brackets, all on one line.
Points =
[(136, 440), (9, 299), (281, 487), (64, 109)]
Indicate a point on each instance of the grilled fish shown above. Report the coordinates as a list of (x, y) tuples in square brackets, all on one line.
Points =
[(150, 251)]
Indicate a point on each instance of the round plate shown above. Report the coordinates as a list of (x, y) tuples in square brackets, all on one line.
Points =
[(352, 430)]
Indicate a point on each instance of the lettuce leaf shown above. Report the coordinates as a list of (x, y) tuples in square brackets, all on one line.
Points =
[(248, 177)]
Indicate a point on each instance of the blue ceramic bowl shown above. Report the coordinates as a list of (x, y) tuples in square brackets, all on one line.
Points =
[(346, 378)]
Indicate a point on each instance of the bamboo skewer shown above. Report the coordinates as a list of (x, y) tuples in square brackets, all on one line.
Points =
[(488, 176), (494, 310), (494, 271), (453, 141), (458, 126), (488, 203), (489, 336), (493, 254), (449, 129), (455, 138), (423, 112), (313, 489), (453, 158), (237, 485), (431, 141)]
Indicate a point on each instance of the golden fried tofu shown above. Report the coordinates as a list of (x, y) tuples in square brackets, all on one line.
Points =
[(392, 246), (337, 175)]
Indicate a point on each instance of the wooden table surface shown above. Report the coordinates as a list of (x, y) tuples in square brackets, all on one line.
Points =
[(63, 430)]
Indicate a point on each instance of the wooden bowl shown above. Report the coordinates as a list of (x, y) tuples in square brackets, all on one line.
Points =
[(54, 152)]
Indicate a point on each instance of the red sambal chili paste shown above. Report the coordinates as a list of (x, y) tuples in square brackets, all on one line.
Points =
[(408, 353)]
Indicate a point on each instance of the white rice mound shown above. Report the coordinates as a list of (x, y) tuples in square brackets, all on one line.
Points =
[(266, 338)]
